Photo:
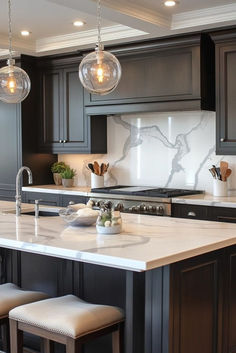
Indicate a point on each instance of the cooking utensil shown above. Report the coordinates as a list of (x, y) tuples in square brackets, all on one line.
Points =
[(217, 170), (90, 166), (213, 172), (223, 169), (228, 173), (96, 168)]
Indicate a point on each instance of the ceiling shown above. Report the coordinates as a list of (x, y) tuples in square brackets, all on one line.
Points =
[(51, 22)]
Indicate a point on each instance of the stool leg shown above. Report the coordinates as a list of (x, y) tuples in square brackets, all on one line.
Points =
[(16, 337), (117, 340), (5, 337), (73, 346), (47, 346)]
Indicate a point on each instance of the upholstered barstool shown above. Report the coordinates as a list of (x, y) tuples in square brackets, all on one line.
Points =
[(67, 320), (12, 296)]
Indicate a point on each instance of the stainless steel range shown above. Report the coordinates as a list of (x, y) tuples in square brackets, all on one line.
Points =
[(138, 199)]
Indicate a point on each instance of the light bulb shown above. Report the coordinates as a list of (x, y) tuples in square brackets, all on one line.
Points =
[(170, 3), (100, 72), (14, 83), (11, 84)]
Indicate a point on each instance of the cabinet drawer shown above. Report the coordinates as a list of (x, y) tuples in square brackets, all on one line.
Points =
[(65, 199), (47, 199), (189, 211), (223, 214)]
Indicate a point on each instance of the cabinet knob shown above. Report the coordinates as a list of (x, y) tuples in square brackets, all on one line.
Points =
[(60, 141), (222, 139), (64, 141), (191, 214)]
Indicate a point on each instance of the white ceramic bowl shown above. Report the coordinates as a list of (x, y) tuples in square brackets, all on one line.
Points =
[(73, 219)]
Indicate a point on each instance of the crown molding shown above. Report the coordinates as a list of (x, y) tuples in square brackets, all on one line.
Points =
[(139, 12), (202, 17), (83, 38)]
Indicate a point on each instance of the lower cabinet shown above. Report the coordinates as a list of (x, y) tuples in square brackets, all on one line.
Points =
[(210, 213), (52, 199), (196, 322)]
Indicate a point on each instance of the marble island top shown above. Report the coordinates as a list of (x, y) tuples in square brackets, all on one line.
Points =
[(146, 242)]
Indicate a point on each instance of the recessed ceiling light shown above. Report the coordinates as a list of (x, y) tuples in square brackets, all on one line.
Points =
[(25, 33), (78, 23), (170, 3)]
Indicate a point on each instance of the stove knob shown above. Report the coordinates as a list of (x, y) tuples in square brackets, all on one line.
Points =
[(143, 207), (130, 209), (108, 205), (137, 208), (148, 208), (154, 209), (92, 202), (160, 210), (99, 203), (119, 206)]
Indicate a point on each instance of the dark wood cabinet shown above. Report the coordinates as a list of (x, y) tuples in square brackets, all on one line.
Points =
[(196, 301), (225, 92), (18, 138), (161, 75), (64, 127), (52, 199), (210, 213)]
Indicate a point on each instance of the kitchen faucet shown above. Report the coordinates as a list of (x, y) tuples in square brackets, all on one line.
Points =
[(18, 187)]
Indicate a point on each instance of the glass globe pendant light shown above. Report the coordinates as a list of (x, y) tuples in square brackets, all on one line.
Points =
[(14, 82), (100, 71)]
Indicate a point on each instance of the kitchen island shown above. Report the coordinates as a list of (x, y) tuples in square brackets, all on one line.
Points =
[(175, 278)]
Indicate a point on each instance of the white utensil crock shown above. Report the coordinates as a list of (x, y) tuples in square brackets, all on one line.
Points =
[(220, 188), (97, 181)]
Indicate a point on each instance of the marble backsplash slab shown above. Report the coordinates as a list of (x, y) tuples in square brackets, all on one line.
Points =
[(158, 149)]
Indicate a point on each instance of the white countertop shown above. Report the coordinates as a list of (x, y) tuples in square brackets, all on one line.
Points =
[(55, 189), (146, 242), (207, 200), (199, 199)]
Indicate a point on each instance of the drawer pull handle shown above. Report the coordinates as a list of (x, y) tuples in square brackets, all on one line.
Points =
[(191, 214)]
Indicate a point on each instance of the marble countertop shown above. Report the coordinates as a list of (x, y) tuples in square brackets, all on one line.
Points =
[(199, 199), (146, 242), (207, 200), (55, 189)]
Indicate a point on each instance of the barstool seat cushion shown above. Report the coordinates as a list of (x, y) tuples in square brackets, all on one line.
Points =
[(12, 296), (67, 315)]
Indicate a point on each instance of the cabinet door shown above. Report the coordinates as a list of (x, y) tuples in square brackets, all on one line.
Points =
[(51, 104), (225, 97), (75, 124), (229, 319), (10, 147), (161, 76), (196, 302), (222, 214)]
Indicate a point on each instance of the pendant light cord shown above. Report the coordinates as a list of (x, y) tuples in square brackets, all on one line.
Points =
[(99, 19), (9, 29)]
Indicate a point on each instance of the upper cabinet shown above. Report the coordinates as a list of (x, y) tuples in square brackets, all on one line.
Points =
[(161, 75), (64, 127), (225, 92)]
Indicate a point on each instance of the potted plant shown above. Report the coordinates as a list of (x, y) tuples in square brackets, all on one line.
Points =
[(67, 177), (57, 168)]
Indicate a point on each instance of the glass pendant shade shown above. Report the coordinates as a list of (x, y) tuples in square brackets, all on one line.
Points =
[(100, 72), (14, 83)]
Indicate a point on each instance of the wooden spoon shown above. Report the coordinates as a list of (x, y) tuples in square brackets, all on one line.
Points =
[(228, 173), (96, 168), (223, 168)]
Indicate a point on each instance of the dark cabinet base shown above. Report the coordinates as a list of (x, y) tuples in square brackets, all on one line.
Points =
[(186, 307)]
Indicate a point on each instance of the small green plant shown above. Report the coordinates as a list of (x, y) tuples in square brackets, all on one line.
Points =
[(58, 167), (68, 173)]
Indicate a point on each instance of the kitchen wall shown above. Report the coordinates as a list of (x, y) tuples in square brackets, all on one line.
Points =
[(158, 149)]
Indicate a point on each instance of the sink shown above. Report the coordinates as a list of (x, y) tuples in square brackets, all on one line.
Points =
[(41, 213)]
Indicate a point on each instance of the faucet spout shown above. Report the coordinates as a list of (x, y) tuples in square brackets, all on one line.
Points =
[(18, 187)]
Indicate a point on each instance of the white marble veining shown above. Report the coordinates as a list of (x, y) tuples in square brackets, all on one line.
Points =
[(159, 149), (146, 242)]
